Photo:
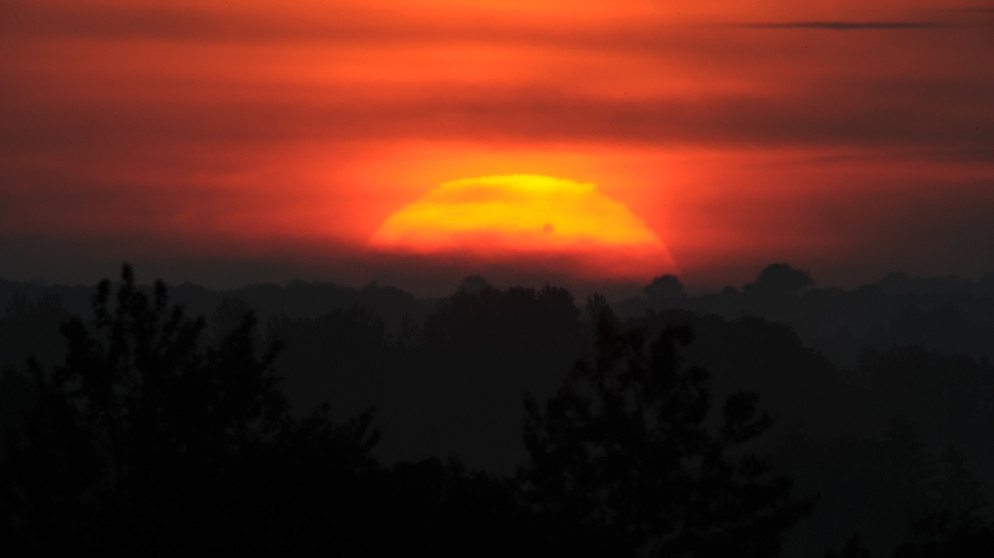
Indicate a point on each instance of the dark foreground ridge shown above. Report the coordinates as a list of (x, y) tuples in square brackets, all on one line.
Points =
[(500, 422)]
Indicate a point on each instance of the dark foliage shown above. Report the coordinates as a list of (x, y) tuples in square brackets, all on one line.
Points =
[(144, 431), (622, 462), (148, 441), (780, 279), (664, 290)]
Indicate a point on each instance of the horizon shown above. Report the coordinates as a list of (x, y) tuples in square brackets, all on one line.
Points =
[(436, 288)]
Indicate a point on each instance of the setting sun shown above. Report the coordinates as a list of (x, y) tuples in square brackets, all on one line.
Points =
[(494, 217)]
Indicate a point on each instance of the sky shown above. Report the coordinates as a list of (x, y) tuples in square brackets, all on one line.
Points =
[(236, 142)]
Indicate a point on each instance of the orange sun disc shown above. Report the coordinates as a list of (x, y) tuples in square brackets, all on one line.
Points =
[(495, 217)]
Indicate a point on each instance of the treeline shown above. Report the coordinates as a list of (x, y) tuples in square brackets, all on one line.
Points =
[(646, 445)]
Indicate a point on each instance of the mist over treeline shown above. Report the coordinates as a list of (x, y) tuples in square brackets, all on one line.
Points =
[(879, 398)]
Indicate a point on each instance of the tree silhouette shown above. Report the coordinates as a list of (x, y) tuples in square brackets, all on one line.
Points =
[(956, 524), (623, 462), (663, 290), (150, 438), (780, 279)]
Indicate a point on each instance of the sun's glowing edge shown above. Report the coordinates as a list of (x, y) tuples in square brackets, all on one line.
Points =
[(523, 216)]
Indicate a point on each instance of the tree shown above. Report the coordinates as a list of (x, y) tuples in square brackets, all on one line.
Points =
[(956, 524), (151, 434), (780, 279), (663, 289), (624, 464)]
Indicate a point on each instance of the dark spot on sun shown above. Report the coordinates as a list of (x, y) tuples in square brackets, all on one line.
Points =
[(548, 228)]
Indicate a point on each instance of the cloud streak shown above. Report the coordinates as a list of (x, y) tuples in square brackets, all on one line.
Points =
[(846, 25), (815, 114)]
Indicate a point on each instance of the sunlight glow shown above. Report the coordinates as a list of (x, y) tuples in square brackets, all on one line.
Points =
[(492, 216), (523, 212)]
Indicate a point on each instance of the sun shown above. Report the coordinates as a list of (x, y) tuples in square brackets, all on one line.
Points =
[(499, 217)]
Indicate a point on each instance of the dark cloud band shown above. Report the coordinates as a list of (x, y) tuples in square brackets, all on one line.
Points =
[(843, 25)]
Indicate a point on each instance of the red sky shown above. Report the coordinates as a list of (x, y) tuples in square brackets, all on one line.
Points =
[(233, 142)]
